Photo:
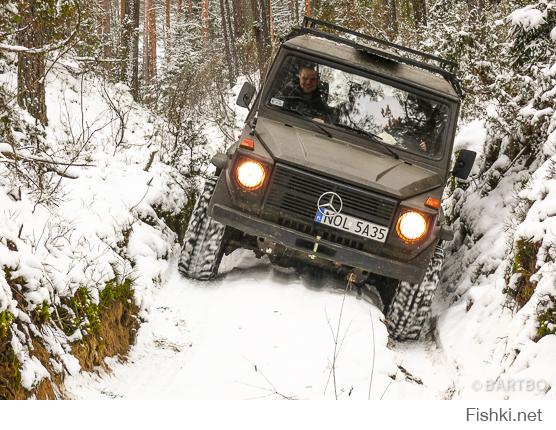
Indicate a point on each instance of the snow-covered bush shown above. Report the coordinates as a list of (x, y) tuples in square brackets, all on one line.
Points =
[(86, 216), (500, 266)]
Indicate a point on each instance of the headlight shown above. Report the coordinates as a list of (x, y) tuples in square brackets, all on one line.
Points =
[(411, 226), (250, 174)]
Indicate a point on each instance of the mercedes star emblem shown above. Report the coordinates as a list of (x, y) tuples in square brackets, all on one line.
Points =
[(330, 203)]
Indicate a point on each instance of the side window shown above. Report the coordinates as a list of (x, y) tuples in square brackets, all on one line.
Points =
[(285, 78)]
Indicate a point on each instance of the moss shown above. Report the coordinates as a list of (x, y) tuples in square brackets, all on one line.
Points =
[(117, 328), (115, 292), (10, 377), (41, 314), (524, 264), (79, 312), (16, 285), (6, 319), (547, 323), (19, 280), (109, 328), (177, 222)]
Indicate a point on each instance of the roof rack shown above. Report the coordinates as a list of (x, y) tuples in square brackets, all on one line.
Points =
[(444, 68)]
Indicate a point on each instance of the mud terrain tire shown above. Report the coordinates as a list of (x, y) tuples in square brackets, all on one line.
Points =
[(409, 312), (204, 240)]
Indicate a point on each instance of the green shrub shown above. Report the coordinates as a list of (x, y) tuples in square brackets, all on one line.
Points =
[(546, 317), (79, 312), (524, 264), (6, 319), (41, 314)]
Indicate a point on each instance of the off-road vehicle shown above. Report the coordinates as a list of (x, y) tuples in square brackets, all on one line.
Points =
[(341, 165)]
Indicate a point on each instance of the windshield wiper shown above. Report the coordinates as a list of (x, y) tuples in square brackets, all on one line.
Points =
[(320, 127), (374, 137)]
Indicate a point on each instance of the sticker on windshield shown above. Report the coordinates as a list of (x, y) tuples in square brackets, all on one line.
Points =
[(276, 102)]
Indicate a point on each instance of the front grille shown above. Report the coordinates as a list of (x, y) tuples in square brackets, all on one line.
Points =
[(294, 193), (332, 235)]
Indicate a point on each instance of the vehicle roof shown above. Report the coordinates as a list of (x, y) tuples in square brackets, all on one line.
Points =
[(339, 52)]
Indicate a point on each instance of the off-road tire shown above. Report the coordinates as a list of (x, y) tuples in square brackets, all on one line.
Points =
[(204, 240), (409, 312)]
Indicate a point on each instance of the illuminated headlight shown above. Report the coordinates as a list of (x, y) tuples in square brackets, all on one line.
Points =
[(250, 174), (411, 226)]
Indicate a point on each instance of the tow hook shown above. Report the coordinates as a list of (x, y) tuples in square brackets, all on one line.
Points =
[(315, 248)]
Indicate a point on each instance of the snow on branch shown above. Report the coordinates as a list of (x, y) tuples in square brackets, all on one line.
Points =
[(47, 48), (10, 155)]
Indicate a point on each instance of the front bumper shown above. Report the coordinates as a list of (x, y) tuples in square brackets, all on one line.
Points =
[(412, 271)]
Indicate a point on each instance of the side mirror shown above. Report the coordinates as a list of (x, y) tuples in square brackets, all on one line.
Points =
[(464, 163), (245, 95)]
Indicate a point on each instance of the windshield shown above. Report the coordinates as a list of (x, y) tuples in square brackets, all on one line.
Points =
[(345, 100)]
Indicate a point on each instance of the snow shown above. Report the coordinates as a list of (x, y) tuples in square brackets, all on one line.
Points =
[(263, 332), (80, 241), (471, 136), (527, 17), (259, 332)]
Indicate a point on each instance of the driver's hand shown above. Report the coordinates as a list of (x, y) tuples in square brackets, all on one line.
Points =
[(319, 120)]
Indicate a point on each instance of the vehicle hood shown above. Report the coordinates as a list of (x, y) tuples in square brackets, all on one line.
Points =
[(340, 159)]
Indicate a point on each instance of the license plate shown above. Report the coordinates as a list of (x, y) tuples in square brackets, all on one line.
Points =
[(352, 225)]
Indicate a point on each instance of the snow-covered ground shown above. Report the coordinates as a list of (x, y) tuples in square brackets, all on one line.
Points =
[(261, 332)]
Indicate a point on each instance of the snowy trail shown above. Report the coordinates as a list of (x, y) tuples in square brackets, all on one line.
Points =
[(258, 332)]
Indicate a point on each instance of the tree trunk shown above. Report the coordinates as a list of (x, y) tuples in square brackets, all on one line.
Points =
[(238, 7), (392, 19), (270, 21), (167, 39), (259, 37), (205, 18), (130, 46), (232, 39), (122, 10), (106, 27), (227, 52), (419, 12), (265, 30), (31, 68), (265, 24), (151, 47), (190, 8), (307, 7), (105, 21), (146, 7), (167, 16)]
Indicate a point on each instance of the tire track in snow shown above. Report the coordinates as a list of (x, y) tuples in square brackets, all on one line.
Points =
[(261, 332)]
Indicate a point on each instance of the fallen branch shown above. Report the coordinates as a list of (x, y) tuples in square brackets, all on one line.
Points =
[(12, 156), (150, 162)]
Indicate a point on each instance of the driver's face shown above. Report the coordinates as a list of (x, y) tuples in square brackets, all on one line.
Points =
[(308, 80)]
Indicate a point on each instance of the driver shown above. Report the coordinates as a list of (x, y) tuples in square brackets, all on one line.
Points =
[(304, 95)]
